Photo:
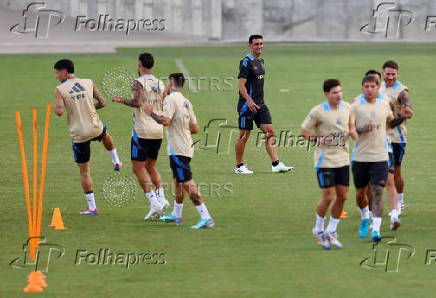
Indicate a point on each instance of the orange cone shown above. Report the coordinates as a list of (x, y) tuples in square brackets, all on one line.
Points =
[(35, 283), (59, 225), (344, 214), (56, 211)]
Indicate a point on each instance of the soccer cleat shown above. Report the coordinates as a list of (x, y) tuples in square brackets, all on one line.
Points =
[(281, 168), (204, 223), (321, 239), (117, 166), (89, 212), (170, 218), (242, 170), (332, 237), (155, 211), (395, 223), (375, 236), (364, 228), (165, 204), (402, 206)]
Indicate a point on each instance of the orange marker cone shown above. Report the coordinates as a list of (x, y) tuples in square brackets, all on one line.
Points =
[(56, 211), (35, 283), (344, 214), (59, 225)]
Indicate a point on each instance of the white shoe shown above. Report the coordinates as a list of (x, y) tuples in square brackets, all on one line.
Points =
[(164, 202), (395, 223), (242, 170), (321, 239), (156, 210), (280, 168), (332, 237)]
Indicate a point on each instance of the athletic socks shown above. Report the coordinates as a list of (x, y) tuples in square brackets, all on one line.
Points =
[(202, 210), (394, 214), (152, 197), (364, 213), (91, 200), (177, 211), (114, 155), (319, 225), (333, 224), (161, 195), (400, 199), (275, 163), (376, 223)]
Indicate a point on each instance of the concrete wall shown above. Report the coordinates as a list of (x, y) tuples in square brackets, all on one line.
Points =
[(281, 20)]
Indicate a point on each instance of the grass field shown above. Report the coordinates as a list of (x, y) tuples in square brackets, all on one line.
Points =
[(262, 244)]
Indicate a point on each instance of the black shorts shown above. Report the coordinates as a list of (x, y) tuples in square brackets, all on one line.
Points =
[(180, 166), (365, 172), (330, 177), (141, 149), (391, 163), (246, 117), (82, 151), (399, 149)]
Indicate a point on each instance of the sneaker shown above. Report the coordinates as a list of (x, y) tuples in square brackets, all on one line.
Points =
[(281, 168), (89, 212), (375, 236), (242, 170), (332, 237), (204, 223), (117, 166), (399, 210), (364, 228), (155, 211), (164, 202), (321, 239), (170, 218), (395, 223)]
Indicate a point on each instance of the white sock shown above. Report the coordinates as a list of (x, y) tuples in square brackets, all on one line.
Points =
[(319, 226), (161, 194), (376, 223), (400, 198), (177, 211), (202, 210), (152, 197), (370, 214), (333, 224), (114, 155), (394, 214), (364, 213), (91, 201)]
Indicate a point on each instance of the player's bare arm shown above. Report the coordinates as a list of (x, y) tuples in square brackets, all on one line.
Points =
[(138, 94), (352, 132), (317, 139), (193, 128), (59, 107), (165, 121), (366, 128), (101, 102), (404, 99), (250, 103)]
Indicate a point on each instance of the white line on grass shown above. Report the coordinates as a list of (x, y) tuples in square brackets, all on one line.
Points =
[(182, 68)]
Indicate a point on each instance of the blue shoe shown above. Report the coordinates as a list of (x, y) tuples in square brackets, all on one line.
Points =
[(170, 218), (375, 236), (364, 228), (204, 223)]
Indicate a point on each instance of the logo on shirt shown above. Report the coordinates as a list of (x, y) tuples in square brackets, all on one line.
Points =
[(339, 120)]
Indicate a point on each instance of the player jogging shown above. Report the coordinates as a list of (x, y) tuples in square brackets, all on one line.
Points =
[(251, 107), (179, 119), (146, 133), (76, 96), (331, 124)]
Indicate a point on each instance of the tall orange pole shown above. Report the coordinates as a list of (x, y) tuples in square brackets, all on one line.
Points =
[(35, 183)]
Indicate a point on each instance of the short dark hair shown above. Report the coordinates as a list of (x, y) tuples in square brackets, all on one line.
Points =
[(254, 36), (370, 79), (147, 60), (373, 72), (66, 64), (330, 83), (178, 78), (390, 64)]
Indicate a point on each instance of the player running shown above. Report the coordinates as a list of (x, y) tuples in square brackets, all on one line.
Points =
[(399, 96), (147, 134), (179, 119), (76, 96), (371, 116), (251, 107), (331, 124)]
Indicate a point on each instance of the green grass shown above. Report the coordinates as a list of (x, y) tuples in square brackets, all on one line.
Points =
[(261, 245)]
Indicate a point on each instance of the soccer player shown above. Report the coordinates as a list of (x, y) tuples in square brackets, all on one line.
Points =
[(147, 134), (371, 116), (76, 96), (400, 98), (332, 126), (251, 107), (390, 184), (179, 119)]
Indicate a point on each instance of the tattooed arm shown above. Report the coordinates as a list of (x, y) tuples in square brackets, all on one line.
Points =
[(101, 102), (138, 93), (404, 100), (165, 121)]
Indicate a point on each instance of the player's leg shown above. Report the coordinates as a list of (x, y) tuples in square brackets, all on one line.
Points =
[(176, 215), (398, 151), (378, 172), (239, 150), (150, 165), (206, 221), (108, 143), (361, 180), (392, 201)]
